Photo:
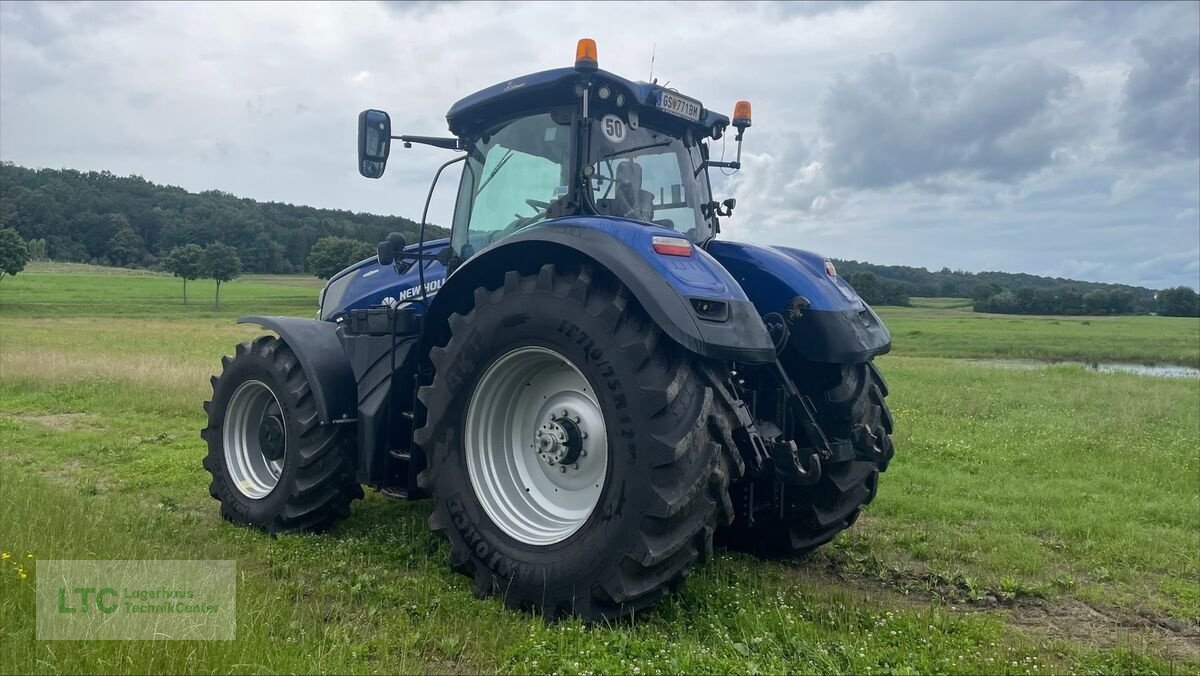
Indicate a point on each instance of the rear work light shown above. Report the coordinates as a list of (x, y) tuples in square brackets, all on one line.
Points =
[(671, 246), (829, 269)]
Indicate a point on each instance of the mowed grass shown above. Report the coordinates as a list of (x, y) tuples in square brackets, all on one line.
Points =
[(1033, 521)]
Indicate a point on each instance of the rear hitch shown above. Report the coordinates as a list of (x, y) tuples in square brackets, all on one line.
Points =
[(789, 467)]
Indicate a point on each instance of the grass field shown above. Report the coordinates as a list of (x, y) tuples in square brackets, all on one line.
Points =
[(944, 331), (1032, 521)]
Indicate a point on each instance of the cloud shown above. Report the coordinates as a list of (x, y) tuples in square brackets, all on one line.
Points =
[(1162, 97), (981, 135), (886, 125)]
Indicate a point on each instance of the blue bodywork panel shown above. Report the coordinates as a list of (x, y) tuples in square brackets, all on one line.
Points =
[(837, 326), (788, 273), (698, 276), (367, 283)]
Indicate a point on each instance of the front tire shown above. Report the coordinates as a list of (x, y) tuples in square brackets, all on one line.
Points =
[(633, 516), (274, 466)]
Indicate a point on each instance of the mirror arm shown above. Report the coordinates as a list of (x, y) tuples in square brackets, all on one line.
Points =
[(449, 143), (713, 163)]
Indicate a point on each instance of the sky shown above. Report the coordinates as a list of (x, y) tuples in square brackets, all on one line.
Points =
[(1058, 139)]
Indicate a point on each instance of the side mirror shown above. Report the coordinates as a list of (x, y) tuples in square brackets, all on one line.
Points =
[(383, 253), (397, 241), (374, 142), (391, 249)]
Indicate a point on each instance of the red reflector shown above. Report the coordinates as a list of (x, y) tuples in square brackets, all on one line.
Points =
[(671, 246), (829, 269)]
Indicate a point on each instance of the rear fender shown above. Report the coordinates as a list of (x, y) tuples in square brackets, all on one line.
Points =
[(833, 324), (324, 361), (665, 286)]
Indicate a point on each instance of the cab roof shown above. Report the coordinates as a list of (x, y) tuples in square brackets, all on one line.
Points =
[(557, 87)]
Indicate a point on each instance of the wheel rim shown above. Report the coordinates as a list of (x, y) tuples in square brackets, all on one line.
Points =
[(536, 446), (253, 447)]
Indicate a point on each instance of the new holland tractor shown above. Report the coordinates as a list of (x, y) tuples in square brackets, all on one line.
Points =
[(588, 385)]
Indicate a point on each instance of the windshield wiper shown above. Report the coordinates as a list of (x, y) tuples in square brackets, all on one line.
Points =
[(499, 166), (635, 149)]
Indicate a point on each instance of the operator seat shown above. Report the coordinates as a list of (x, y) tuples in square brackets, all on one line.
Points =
[(629, 200)]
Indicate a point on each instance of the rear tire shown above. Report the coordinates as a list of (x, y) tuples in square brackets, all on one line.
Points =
[(287, 474), (664, 485), (850, 403)]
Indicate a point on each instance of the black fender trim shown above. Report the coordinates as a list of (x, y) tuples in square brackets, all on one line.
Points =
[(742, 337), (324, 361), (839, 337)]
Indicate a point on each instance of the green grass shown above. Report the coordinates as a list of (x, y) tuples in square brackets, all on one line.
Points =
[(73, 290), (932, 332), (942, 303), (1032, 521)]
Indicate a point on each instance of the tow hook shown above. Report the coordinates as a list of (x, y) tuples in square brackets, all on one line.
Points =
[(791, 469)]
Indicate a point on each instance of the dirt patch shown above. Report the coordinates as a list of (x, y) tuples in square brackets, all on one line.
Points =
[(1064, 618), (63, 422), (1084, 623)]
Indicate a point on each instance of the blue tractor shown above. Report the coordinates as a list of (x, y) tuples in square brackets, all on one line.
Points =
[(589, 386)]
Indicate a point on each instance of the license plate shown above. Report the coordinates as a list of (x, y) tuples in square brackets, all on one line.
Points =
[(681, 106)]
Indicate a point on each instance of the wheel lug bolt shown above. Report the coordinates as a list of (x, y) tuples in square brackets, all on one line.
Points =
[(565, 413), (576, 419), (583, 454), (562, 468)]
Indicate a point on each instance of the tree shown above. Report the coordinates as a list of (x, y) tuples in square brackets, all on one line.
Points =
[(985, 291), (221, 263), (185, 262), (867, 286), (125, 247), (1004, 302), (331, 255), (1122, 302), (13, 253), (1071, 301), (1096, 302), (37, 249), (1181, 301), (893, 293)]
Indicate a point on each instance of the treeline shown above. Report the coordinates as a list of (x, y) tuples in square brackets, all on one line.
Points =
[(876, 291), (127, 221), (1014, 293)]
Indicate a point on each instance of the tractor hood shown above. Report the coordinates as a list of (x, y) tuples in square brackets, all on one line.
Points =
[(367, 283)]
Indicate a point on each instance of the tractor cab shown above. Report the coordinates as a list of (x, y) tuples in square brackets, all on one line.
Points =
[(573, 142)]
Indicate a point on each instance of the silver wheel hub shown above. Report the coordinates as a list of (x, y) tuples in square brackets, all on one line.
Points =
[(552, 442), (254, 438), (536, 446)]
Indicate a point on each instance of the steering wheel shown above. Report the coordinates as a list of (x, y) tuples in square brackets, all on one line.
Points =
[(522, 221)]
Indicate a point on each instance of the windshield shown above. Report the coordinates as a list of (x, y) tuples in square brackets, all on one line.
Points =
[(511, 178), (648, 176)]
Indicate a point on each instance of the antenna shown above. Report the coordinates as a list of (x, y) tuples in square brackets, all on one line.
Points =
[(653, 49)]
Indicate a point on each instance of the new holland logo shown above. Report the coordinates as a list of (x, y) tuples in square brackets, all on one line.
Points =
[(410, 293)]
